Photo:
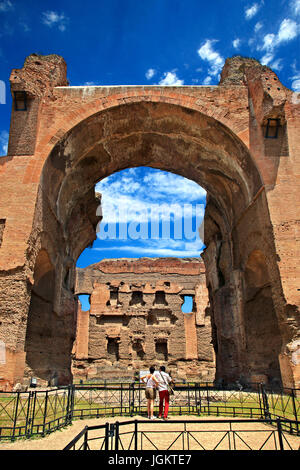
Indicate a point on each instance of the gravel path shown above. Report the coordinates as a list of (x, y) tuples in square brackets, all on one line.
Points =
[(59, 439)]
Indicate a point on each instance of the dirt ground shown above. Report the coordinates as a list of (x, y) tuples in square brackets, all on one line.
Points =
[(152, 435)]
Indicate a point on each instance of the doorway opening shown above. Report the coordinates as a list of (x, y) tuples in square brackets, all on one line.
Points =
[(140, 235)]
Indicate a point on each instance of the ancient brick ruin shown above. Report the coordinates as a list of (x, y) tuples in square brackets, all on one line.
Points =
[(239, 140), (136, 319)]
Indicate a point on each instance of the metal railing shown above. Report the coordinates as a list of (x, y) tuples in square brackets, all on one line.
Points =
[(242, 434), (27, 414), (37, 412)]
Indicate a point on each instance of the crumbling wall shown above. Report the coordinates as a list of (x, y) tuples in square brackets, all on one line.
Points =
[(238, 140), (136, 319)]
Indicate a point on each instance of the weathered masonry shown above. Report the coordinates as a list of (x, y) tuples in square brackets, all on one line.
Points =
[(136, 319), (239, 140)]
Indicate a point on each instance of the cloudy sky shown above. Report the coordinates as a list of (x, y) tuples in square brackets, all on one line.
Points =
[(148, 212), (147, 42)]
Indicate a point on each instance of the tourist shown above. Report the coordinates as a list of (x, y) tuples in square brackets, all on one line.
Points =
[(151, 385), (164, 380)]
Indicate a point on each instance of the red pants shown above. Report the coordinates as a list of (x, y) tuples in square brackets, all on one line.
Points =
[(163, 395)]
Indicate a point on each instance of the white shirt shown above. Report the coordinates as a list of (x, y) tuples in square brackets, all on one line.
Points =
[(150, 382), (162, 384)]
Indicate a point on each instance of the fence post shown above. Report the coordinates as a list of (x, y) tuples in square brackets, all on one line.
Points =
[(129, 397), (70, 404), (265, 403), (121, 399), (117, 436), (207, 397), (85, 443), (136, 434), (200, 401), (295, 409), (131, 403), (45, 413), (16, 416), (106, 436), (279, 429), (28, 413), (294, 404), (260, 399), (67, 417), (139, 385), (33, 412)]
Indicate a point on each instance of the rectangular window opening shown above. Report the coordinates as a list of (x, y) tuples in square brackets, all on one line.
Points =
[(161, 350), (20, 100), (113, 349), (272, 128)]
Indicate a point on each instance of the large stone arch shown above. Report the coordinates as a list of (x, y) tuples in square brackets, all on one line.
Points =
[(177, 139), (207, 134)]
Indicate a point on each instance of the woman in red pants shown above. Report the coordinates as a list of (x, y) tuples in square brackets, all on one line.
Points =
[(164, 397)]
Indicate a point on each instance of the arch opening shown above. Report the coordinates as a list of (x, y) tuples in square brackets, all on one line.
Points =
[(41, 320), (188, 143)]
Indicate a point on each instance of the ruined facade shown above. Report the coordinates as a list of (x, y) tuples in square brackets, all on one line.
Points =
[(239, 140), (136, 319)]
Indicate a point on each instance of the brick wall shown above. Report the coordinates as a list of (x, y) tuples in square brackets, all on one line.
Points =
[(214, 135)]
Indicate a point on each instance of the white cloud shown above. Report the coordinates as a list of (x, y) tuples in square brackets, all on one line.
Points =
[(139, 197), (276, 65), (215, 60), (288, 30), (269, 41), (3, 142), (258, 26), (170, 184), (171, 79), (137, 205), (150, 73), (90, 84), (268, 59), (295, 79), (296, 84), (52, 18), (295, 6), (251, 11), (160, 248), (6, 5), (207, 80), (236, 43)]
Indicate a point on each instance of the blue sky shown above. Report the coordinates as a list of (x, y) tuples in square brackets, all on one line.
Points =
[(147, 212), (143, 42)]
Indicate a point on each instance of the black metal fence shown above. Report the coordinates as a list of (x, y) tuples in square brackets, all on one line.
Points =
[(37, 412), (136, 435)]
